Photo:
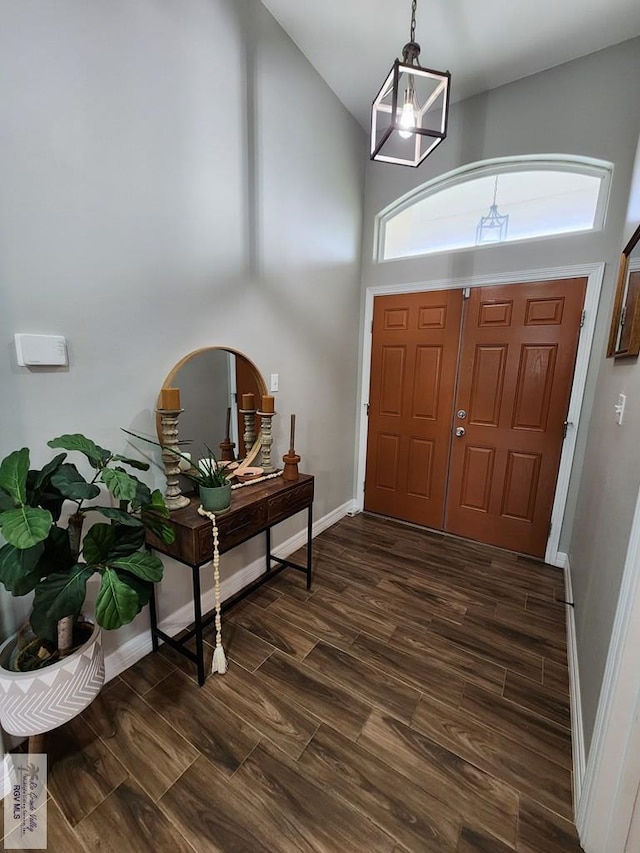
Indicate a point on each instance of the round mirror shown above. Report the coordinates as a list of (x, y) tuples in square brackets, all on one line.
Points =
[(212, 382)]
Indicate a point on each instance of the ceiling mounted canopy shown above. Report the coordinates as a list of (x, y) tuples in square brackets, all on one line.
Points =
[(409, 114)]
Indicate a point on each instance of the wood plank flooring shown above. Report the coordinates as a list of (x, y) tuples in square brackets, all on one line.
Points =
[(415, 700)]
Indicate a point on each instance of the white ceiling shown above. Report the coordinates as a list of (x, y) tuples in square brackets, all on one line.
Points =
[(483, 43)]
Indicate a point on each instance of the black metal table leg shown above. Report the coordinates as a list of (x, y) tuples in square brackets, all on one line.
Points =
[(268, 533), (153, 616), (197, 612), (309, 546)]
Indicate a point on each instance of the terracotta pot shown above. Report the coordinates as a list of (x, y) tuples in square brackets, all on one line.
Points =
[(35, 702), (216, 499)]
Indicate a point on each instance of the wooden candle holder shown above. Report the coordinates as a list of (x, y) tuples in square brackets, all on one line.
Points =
[(226, 445), (266, 440), (290, 471), (173, 497), (249, 436), (291, 458)]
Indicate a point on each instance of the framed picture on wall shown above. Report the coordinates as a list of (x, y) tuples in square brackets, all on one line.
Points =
[(624, 335)]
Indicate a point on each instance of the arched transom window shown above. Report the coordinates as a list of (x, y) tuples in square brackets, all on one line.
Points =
[(496, 202)]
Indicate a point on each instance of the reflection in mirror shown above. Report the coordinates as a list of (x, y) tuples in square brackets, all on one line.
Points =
[(211, 381), (624, 336)]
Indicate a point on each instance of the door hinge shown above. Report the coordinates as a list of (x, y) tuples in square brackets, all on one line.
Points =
[(466, 293), (550, 526), (583, 317), (623, 315), (367, 405), (371, 329), (565, 427)]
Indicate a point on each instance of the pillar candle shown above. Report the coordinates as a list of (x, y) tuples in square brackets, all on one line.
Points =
[(268, 403), (249, 402), (170, 399)]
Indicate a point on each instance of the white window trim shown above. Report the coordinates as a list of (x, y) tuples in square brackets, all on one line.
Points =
[(497, 166)]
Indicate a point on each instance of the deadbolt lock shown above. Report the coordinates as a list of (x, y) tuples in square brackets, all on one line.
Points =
[(461, 414)]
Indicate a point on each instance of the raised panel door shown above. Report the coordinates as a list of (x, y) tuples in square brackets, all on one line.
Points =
[(413, 367), (514, 381)]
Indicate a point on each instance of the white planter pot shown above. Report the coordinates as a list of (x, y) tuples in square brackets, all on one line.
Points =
[(35, 702)]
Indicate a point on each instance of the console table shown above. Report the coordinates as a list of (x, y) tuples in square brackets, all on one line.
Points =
[(254, 509)]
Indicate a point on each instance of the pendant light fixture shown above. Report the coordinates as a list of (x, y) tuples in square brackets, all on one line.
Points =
[(493, 227), (409, 114)]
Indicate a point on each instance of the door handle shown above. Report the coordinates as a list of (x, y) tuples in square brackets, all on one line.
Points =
[(460, 431)]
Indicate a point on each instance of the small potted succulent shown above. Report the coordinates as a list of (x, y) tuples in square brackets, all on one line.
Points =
[(210, 477), (54, 666), (212, 481)]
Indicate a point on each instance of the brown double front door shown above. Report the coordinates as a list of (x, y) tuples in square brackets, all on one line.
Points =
[(467, 405)]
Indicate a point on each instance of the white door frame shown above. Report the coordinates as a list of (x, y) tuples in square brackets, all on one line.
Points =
[(612, 778), (594, 274)]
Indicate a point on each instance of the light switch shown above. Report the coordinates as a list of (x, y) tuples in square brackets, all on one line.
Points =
[(275, 381), (43, 350), (619, 407)]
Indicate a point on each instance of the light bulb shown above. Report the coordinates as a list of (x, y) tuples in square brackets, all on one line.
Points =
[(408, 115), (407, 120)]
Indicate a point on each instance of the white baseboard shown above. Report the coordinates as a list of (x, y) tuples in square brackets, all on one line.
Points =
[(577, 730), (561, 560), (137, 647)]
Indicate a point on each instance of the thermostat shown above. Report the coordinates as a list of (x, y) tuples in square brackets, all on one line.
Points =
[(43, 350)]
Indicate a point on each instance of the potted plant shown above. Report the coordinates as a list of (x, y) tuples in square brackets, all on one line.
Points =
[(210, 477), (54, 668), (212, 481)]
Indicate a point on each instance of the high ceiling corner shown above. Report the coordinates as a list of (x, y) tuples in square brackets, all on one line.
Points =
[(484, 45)]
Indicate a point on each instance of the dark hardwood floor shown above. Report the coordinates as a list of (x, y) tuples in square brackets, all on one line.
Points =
[(416, 699)]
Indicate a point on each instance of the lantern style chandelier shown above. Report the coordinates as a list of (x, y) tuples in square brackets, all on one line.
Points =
[(410, 112), (492, 228)]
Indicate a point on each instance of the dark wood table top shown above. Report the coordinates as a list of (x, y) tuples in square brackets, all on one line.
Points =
[(253, 509)]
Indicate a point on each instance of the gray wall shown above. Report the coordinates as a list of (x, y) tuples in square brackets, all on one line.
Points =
[(175, 175), (604, 512), (587, 107)]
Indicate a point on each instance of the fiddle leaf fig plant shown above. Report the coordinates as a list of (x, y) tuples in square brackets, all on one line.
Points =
[(51, 553)]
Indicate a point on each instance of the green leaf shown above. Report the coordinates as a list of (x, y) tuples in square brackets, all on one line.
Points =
[(121, 485), (119, 515), (157, 504), (96, 455), (72, 485), (153, 515), (160, 527), (97, 544), (26, 526), (127, 539), (19, 569), (142, 564), (134, 463), (117, 602), (57, 552), (143, 588), (50, 468), (6, 501), (62, 593), (45, 496), (43, 626), (142, 496), (13, 474), (105, 543)]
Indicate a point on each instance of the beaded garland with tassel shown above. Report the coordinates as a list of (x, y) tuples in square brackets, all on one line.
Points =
[(219, 662)]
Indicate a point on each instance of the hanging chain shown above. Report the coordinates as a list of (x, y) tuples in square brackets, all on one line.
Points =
[(414, 3)]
